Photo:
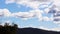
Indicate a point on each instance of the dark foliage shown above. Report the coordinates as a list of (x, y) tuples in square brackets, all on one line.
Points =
[(8, 29)]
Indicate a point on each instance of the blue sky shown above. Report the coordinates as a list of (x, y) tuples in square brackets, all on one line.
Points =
[(30, 14)]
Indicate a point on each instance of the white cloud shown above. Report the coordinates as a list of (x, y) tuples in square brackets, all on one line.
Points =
[(46, 18), (5, 12), (38, 13), (9, 1), (47, 10), (30, 14), (50, 29), (57, 2), (44, 28), (50, 8), (25, 15), (34, 3), (56, 22), (29, 3), (1, 12), (56, 29)]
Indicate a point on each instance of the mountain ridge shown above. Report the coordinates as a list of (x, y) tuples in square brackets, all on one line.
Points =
[(30, 30)]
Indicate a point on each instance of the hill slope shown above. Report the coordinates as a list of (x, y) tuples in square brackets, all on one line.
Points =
[(35, 31)]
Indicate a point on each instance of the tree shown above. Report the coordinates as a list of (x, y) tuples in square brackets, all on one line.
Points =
[(8, 29), (6, 24)]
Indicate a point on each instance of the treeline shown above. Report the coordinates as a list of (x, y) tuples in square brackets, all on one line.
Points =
[(8, 29)]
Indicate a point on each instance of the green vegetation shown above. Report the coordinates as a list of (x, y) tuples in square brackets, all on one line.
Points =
[(8, 29)]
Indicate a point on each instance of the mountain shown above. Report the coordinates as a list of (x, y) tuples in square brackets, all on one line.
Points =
[(35, 31)]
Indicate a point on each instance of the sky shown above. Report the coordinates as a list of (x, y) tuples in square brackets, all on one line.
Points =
[(30, 13)]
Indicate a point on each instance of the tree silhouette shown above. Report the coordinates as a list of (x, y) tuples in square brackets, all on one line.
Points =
[(8, 29)]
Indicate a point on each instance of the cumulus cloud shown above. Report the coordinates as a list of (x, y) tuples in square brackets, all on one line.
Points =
[(33, 13), (25, 15), (34, 3), (57, 2), (38, 13), (29, 3), (46, 18), (56, 17), (5, 12), (30, 14), (56, 20)]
